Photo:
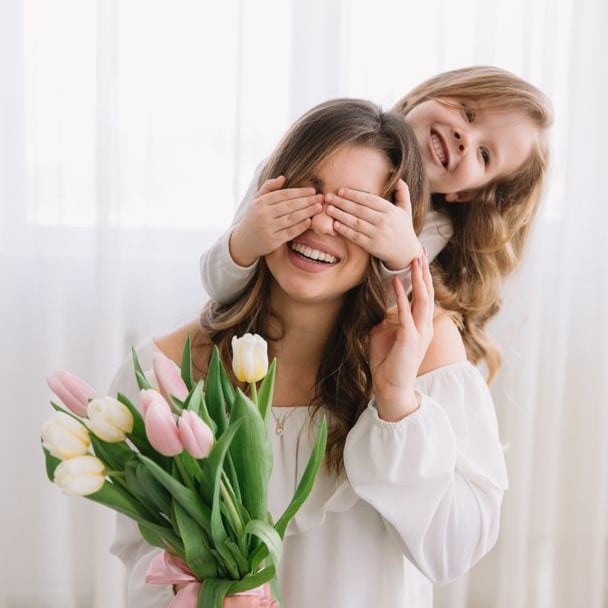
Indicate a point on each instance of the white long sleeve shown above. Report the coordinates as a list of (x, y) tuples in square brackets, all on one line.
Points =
[(436, 477)]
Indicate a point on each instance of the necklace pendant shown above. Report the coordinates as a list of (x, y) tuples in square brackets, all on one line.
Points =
[(279, 429)]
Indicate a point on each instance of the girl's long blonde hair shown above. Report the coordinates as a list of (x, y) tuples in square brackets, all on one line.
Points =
[(491, 228)]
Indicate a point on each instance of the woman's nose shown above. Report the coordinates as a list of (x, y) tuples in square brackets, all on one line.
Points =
[(323, 223)]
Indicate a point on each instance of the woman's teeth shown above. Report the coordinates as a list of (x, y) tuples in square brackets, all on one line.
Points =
[(313, 254), (438, 148)]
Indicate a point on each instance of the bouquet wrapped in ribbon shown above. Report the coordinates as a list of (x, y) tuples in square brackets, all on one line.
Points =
[(191, 465)]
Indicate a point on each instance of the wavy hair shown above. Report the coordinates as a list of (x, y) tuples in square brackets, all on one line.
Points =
[(343, 379), (491, 229)]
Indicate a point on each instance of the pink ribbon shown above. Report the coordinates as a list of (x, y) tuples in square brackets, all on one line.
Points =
[(168, 569)]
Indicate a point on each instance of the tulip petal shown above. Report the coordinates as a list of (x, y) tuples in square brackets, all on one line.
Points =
[(73, 392)]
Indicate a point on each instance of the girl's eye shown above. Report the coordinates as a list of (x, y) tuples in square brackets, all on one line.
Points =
[(485, 155), (470, 116)]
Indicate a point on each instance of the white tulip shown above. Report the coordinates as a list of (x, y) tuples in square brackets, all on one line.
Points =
[(249, 357), (82, 475), (109, 419), (64, 437)]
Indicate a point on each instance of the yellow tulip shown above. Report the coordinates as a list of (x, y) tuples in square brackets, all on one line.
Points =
[(64, 437), (109, 419), (249, 357), (81, 476)]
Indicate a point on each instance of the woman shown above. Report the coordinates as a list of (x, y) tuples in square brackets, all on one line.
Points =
[(414, 474)]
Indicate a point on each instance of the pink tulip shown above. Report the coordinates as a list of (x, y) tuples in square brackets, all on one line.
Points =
[(161, 428), (168, 376), (73, 392), (195, 435)]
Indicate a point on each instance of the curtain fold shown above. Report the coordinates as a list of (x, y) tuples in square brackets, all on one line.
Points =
[(129, 129)]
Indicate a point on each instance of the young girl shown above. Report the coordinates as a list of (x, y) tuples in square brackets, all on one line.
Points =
[(414, 474), (481, 132)]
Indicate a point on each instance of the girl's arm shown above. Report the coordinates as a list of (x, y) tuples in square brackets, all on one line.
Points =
[(223, 279), (265, 219)]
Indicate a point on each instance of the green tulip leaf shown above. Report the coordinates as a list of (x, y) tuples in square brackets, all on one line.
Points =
[(211, 481), (212, 593), (186, 366), (307, 481), (138, 435), (155, 492), (198, 557), (120, 500), (142, 381), (185, 496), (51, 463), (214, 396), (252, 456), (270, 539), (114, 455), (266, 392), (253, 580)]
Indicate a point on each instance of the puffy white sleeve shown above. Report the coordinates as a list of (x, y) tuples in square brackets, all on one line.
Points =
[(223, 279), (128, 544), (435, 234), (437, 477)]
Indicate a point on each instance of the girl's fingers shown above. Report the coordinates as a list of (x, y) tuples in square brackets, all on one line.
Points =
[(336, 204), (358, 238), (365, 199), (402, 196), (356, 224), (308, 204), (271, 184), (278, 195)]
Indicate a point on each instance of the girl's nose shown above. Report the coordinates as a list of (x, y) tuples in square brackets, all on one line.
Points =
[(462, 140), (323, 223)]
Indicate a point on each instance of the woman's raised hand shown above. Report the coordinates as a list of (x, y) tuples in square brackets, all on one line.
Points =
[(274, 217), (385, 230), (398, 344)]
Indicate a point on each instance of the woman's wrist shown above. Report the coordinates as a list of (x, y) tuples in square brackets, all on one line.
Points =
[(397, 405)]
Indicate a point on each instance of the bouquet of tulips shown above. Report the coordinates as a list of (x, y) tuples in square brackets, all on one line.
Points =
[(191, 465)]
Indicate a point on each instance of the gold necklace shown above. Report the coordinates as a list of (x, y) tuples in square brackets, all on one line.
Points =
[(280, 422)]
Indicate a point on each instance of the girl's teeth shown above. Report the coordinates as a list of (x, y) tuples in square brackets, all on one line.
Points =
[(439, 151), (314, 254)]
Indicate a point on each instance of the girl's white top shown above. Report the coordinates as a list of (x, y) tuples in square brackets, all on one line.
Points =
[(223, 279), (418, 500)]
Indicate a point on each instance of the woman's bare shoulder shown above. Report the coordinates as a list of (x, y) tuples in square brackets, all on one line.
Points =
[(172, 343), (446, 347)]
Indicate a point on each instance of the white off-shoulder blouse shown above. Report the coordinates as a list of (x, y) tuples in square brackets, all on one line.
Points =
[(418, 500)]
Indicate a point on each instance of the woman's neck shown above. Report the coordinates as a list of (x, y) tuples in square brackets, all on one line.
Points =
[(304, 330)]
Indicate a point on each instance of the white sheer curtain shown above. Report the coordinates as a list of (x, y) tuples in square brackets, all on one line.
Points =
[(128, 130)]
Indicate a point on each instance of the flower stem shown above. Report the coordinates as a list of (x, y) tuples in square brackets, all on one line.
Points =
[(254, 392), (235, 520)]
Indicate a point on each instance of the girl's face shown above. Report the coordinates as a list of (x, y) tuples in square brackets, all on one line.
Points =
[(463, 149), (320, 265)]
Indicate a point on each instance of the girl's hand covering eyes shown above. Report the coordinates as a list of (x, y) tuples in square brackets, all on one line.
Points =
[(385, 230), (274, 217), (399, 343)]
